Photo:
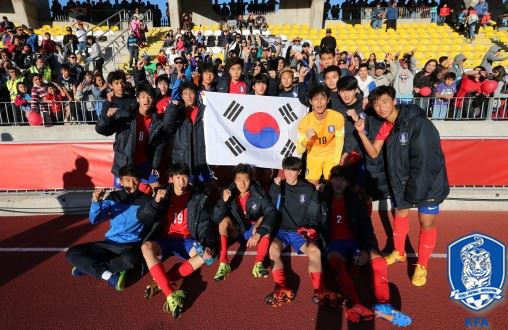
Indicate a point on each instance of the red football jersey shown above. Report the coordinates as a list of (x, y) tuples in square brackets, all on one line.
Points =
[(142, 131), (384, 131), (177, 216), (340, 228)]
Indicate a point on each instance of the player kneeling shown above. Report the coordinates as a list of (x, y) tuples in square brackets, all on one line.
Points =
[(300, 210), (244, 213), (349, 229), (184, 230)]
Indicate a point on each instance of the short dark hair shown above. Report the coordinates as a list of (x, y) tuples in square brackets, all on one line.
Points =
[(188, 85), (260, 78), (319, 90), (179, 169), (292, 163), (116, 75), (235, 61), (65, 66), (145, 88), (450, 75), (347, 172), (129, 170), (331, 68), (442, 59), (363, 65), (162, 77), (36, 75), (327, 50), (243, 169), (347, 83), (378, 92), (208, 67)]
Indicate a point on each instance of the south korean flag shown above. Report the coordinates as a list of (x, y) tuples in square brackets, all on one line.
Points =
[(257, 130)]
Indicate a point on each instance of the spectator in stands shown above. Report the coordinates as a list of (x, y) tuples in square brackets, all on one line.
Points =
[(48, 45), (6, 24), (38, 93), (404, 78), (169, 39), (328, 40), (21, 34), (251, 21), (445, 91), (481, 8), (377, 17), (162, 95), (12, 83), (444, 13), (24, 60), (54, 98), (371, 63), (81, 34), (179, 44), (23, 98), (355, 63), (99, 91), (365, 82), (67, 82), (391, 16), (32, 40), (499, 106), (492, 56), (457, 66), (486, 21), (382, 76), (133, 47), (76, 69), (70, 41), (427, 77), (84, 94), (95, 55), (471, 22), (41, 68), (135, 27), (470, 86), (207, 72)]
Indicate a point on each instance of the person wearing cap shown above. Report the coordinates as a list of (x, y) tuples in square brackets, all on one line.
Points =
[(328, 41), (21, 34), (297, 44), (182, 72), (70, 41), (382, 76)]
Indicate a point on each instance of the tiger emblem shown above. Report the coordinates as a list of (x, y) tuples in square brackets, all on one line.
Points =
[(477, 267)]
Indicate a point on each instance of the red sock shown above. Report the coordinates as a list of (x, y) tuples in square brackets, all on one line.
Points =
[(317, 281), (344, 280), (159, 275), (184, 270), (279, 277), (262, 250), (400, 230), (426, 245), (223, 249), (380, 279)]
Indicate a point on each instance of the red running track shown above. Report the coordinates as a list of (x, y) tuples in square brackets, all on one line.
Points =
[(38, 292)]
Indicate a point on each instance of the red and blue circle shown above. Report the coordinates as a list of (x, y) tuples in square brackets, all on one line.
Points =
[(261, 130)]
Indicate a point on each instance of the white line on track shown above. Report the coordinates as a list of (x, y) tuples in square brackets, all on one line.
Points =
[(231, 253)]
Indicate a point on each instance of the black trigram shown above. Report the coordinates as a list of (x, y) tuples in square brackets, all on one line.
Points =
[(233, 111), (288, 114), (289, 149), (235, 146)]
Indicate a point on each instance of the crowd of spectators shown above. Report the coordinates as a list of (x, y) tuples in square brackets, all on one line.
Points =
[(234, 8), (44, 76), (32, 71), (93, 11)]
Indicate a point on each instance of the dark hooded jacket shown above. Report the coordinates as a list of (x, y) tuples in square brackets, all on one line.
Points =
[(415, 161)]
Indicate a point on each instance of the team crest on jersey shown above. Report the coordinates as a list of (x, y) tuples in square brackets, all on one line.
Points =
[(331, 129), (403, 138), (254, 206), (476, 270), (302, 198)]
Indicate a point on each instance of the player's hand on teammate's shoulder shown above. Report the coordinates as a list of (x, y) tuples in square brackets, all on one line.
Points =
[(277, 180)]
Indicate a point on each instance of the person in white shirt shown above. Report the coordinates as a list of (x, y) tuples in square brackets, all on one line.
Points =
[(365, 82)]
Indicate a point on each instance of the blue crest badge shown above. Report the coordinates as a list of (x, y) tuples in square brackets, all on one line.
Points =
[(331, 129), (403, 138), (476, 270)]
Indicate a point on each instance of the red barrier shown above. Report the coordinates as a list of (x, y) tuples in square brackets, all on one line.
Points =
[(88, 164)]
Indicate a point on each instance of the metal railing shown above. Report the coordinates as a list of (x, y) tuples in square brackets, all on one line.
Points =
[(116, 46), (365, 13), (87, 112)]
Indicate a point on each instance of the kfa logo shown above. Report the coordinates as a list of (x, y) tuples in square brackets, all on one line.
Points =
[(476, 323), (476, 270)]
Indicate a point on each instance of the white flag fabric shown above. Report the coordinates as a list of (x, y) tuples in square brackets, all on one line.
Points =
[(256, 130)]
